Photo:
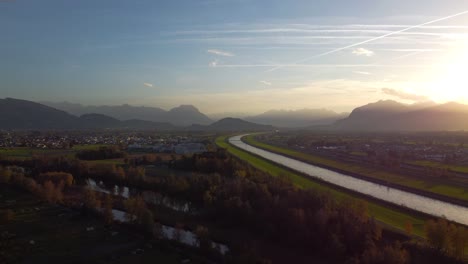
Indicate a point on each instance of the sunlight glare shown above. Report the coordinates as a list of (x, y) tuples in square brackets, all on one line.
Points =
[(452, 83)]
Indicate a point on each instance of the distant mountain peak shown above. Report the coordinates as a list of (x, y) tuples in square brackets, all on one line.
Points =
[(185, 107), (237, 124), (383, 104), (183, 115)]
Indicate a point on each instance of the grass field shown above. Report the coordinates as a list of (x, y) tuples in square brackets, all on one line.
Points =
[(27, 153), (434, 164), (106, 161), (88, 147), (390, 216), (430, 185), (23, 153)]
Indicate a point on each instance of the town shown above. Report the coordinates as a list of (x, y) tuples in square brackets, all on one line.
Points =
[(179, 143)]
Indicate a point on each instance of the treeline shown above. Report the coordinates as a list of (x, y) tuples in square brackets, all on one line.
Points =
[(447, 237), (49, 186), (233, 195), (276, 210), (308, 219), (105, 152)]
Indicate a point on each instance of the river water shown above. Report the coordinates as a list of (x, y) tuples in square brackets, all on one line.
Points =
[(168, 232), (150, 197), (413, 201)]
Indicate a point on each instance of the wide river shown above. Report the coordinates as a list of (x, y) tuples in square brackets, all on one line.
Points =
[(413, 201)]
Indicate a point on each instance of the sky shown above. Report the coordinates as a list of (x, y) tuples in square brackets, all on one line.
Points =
[(234, 56)]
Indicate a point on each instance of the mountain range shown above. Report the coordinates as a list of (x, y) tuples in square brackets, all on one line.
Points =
[(297, 118), (232, 124), (184, 115), (394, 116), (27, 115), (379, 116)]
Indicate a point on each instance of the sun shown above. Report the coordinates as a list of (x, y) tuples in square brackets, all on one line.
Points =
[(451, 84)]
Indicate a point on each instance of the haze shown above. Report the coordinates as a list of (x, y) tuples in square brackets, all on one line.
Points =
[(234, 56)]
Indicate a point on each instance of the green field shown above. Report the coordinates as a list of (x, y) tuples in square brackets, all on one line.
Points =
[(24, 153), (438, 165), (88, 147), (392, 217), (27, 153), (430, 185), (106, 161)]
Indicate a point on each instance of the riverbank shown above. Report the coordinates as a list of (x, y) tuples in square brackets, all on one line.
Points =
[(390, 215), (444, 195)]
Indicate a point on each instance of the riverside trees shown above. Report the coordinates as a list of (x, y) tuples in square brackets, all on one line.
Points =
[(232, 194)]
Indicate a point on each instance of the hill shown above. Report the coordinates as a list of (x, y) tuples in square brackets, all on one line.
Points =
[(297, 118), (183, 115), (99, 121), (231, 124), (394, 116), (22, 114), (237, 124), (27, 115)]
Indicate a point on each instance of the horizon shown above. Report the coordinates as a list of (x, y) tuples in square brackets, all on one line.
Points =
[(238, 114), (222, 56)]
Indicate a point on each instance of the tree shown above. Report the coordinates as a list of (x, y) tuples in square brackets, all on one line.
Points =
[(135, 208), (90, 200), (5, 175), (409, 228), (391, 254), (48, 191), (6, 216), (56, 178), (158, 231), (147, 221), (459, 239), (436, 233), (107, 209), (203, 238), (119, 174), (177, 233)]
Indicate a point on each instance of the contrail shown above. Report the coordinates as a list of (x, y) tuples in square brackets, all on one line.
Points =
[(376, 38)]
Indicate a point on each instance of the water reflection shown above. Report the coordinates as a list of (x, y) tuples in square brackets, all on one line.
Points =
[(171, 233), (150, 197)]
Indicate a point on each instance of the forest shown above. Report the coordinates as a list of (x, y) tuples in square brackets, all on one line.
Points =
[(229, 194)]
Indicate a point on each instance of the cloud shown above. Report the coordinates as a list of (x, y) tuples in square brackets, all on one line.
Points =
[(220, 52), (404, 95), (362, 72), (313, 28), (265, 83), (148, 84), (268, 65), (363, 52), (378, 38), (213, 64)]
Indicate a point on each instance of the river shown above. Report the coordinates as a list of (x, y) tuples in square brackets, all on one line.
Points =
[(413, 201)]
